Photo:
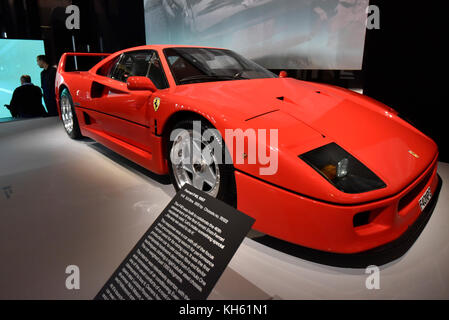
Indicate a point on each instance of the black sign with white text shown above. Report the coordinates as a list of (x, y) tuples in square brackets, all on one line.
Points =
[(183, 253)]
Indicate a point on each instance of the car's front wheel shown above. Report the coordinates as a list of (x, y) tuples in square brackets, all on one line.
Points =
[(201, 162)]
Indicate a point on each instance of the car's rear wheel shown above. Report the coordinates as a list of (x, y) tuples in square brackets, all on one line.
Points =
[(194, 161), (68, 115)]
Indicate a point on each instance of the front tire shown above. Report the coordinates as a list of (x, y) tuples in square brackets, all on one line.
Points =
[(68, 115), (212, 176)]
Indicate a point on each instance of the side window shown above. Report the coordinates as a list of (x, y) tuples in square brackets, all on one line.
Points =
[(107, 69), (143, 63), (122, 69), (156, 72)]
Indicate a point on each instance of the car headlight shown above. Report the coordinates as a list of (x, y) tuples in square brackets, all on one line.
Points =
[(341, 169)]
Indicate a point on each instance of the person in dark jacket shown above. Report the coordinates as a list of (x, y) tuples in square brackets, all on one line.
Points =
[(48, 77), (26, 100)]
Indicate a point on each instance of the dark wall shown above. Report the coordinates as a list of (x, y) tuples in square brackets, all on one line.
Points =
[(405, 65), (19, 19), (106, 25), (111, 25)]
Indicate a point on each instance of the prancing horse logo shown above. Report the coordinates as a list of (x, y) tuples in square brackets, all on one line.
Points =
[(156, 103)]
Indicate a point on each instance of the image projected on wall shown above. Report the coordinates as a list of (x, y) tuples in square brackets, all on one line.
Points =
[(17, 57), (278, 34)]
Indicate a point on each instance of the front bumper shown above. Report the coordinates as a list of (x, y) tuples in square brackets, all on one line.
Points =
[(330, 227)]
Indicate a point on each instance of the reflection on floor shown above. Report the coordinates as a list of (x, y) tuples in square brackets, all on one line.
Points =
[(65, 202), (7, 119)]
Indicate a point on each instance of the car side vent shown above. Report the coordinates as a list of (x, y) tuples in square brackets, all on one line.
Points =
[(87, 119), (96, 91), (280, 98)]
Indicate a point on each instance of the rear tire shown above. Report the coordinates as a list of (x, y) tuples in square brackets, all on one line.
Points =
[(215, 178), (68, 115)]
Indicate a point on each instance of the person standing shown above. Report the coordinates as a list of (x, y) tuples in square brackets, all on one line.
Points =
[(48, 77), (26, 100)]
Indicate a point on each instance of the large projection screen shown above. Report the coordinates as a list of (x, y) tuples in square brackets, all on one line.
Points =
[(17, 57), (278, 34)]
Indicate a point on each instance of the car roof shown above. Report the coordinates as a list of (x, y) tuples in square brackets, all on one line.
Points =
[(164, 46)]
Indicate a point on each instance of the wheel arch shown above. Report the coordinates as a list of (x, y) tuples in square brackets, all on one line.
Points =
[(58, 97)]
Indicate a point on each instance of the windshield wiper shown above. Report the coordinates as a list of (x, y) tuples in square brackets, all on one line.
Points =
[(238, 75)]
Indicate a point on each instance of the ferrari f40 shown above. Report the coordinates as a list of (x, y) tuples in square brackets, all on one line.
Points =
[(351, 174)]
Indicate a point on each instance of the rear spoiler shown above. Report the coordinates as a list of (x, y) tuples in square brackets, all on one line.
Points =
[(62, 61)]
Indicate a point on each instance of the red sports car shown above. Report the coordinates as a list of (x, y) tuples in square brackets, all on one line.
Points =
[(315, 165)]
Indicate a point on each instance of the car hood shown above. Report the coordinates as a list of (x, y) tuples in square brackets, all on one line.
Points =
[(310, 115)]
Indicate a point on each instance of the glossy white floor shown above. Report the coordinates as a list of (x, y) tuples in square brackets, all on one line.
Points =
[(65, 202)]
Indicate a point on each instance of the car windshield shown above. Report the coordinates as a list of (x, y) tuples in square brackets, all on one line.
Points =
[(192, 65)]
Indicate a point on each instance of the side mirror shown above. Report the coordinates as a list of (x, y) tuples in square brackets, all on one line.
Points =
[(140, 83), (283, 74)]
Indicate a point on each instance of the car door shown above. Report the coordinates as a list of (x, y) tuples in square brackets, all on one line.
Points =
[(128, 112)]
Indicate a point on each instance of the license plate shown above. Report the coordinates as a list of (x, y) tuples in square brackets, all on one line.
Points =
[(425, 199)]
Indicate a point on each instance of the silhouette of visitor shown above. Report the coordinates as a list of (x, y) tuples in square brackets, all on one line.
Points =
[(48, 76), (26, 101)]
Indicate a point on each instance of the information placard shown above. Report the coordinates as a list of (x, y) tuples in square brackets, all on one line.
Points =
[(183, 253)]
